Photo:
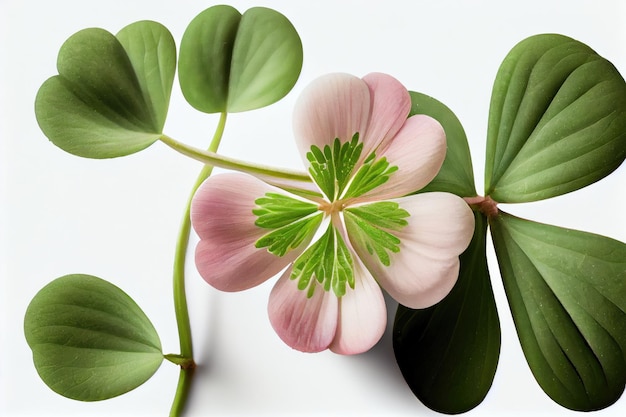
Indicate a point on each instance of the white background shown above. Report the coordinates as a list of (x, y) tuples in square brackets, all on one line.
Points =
[(118, 219)]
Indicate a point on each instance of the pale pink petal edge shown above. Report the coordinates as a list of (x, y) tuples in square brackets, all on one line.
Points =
[(333, 106), (426, 268), (418, 151), (221, 214), (362, 315), (390, 106), (305, 324)]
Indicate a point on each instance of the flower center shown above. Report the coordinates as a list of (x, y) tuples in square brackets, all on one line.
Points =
[(332, 208), (342, 176), (340, 173)]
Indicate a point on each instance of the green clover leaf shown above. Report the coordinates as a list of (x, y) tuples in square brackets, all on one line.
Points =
[(557, 120), (557, 123), (448, 353), (567, 292), (90, 340), (112, 93), (231, 62), (456, 174)]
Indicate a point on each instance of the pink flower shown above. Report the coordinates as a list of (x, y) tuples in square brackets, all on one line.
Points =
[(359, 232)]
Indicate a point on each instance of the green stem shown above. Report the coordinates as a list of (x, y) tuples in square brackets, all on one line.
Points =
[(211, 158), (180, 297), (180, 360)]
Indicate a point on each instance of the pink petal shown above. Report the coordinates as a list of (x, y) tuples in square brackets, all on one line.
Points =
[(390, 106), (221, 214), (332, 106), (363, 315), (426, 268), (418, 150), (442, 223), (305, 324)]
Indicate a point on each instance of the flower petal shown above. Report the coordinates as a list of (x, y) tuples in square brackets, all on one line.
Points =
[(332, 106), (362, 317), (418, 150), (305, 324), (423, 272), (390, 106), (221, 214)]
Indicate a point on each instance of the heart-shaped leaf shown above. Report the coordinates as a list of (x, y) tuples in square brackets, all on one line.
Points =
[(567, 293), (111, 95), (90, 341), (233, 63), (456, 174), (557, 120), (448, 353)]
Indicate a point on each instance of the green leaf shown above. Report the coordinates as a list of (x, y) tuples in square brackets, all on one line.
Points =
[(567, 293), (233, 63), (456, 174), (90, 341), (557, 120), (448, 353), (111, 95)]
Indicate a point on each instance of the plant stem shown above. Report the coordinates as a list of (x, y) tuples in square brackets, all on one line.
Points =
[(180, 297), (180, 360), (213, 159), (485, 205)]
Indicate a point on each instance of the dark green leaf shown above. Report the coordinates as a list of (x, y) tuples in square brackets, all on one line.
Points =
[(567, 292), (448, 353), (456, 174), (232, 63), (111, 95), (90, 341), (557, 120)]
